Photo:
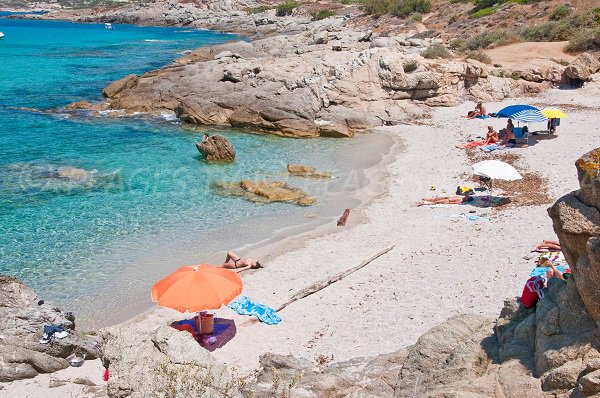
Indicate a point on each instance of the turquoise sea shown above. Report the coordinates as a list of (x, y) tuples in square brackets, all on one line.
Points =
[(99, 242)]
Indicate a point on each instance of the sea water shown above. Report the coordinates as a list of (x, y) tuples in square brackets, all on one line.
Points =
[(142, 203)]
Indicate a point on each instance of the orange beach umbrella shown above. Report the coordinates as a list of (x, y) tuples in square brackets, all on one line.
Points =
[(197, 288)]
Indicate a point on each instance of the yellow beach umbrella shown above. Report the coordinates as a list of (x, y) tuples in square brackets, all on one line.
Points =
[(553, 113)]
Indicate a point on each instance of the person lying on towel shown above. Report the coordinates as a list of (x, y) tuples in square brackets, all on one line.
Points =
[(478, 111), (238, 264), (446, 200)]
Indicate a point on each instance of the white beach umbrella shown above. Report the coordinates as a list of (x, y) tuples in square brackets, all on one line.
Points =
[(496, 170)]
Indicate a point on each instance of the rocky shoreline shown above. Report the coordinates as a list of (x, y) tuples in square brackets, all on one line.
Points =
[(308, 78), (311, 79)]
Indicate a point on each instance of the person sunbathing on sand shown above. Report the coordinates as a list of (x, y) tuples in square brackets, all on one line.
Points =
[(478, 111), (446, 200), (547, 245), (238, 264)]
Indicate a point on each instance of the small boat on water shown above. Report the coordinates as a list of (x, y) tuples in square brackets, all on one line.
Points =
[(1, 35), (108, 26)]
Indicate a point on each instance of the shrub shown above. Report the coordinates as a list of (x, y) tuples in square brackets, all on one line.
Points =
[(403, 8), (398, 8), (560, 12), (417, 17), (481, 4), (377, 8), (323, 14), (479, 56), (565, 29), (585, 40), (486, 39), (258, 10), (436, 51), (410, 66), (484, 12), (284, 9), (457, 44)]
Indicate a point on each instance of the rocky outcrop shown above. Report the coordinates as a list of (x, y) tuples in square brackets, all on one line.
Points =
[(327, 81), (216, 148), (117, 87), (582, 68), (145, 362), (22, 319), (264, 192), (306, 171)]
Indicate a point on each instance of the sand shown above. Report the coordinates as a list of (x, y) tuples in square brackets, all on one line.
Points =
[(440, 265)]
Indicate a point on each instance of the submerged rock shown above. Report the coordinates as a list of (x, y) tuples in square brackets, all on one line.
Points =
[(36, 178), (264, 192), (306, 171), (216, 148), (22, 319)]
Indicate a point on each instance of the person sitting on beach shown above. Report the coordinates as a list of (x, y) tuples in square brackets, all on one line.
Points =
[(238, 264), (491, 137), (547, 245), (509, 134), (478, 111), (446, 200), (553, 272), (205, 137)]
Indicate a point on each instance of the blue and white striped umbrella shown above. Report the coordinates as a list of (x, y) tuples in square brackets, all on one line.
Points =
[(529, 116), (522, 113)]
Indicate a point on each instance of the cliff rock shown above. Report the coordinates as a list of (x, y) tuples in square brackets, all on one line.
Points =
[(22, 319)]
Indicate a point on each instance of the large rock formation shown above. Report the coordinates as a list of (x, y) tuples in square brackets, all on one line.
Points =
[(582, 68), (160, 362), (22, 319), (216, 148), (302, 85)]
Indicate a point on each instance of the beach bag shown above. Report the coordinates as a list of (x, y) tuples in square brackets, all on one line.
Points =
[(555, 122), (463, 190), (533, 291)]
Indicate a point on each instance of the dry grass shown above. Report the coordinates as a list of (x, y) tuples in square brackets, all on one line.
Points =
[(532, 190)]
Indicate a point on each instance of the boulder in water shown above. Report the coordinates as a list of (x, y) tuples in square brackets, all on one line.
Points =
[(306, 171), (217, 148), (264, 192)]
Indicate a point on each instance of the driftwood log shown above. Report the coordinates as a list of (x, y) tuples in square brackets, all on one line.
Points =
[(342, 221)]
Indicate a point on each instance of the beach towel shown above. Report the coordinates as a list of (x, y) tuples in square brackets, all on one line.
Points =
[(495, 147), (556, 257), (482, 117), (541, 271), (244, 306), (471, 217)]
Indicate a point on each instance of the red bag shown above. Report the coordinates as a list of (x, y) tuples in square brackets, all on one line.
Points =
[(533, 291)]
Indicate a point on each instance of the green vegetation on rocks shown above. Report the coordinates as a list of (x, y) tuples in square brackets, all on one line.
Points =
[(398, 8), (436, 51), (284, 9), (323, 14)]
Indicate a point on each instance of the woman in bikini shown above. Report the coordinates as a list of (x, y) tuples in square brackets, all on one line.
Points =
[(446, 200), (238, 264)]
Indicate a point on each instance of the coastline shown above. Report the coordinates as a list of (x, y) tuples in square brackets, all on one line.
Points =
[(443, 271), (448, 266)]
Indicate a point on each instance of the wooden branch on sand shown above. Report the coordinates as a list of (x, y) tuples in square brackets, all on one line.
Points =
[(320, 285), (315, 287)]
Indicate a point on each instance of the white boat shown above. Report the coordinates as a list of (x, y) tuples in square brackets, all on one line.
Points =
[(1, 35), (108, 26)]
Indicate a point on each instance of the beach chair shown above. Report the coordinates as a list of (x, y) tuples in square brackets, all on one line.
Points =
[(521, 134)]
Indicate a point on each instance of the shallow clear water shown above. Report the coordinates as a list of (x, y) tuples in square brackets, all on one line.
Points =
[(145, 205)]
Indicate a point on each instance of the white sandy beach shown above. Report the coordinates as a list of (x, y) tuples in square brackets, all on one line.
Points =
[(440, 266)]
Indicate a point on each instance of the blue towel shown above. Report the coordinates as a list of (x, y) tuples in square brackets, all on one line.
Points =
[(494, 147), (541, 271), (244, 306), (482, 117)]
